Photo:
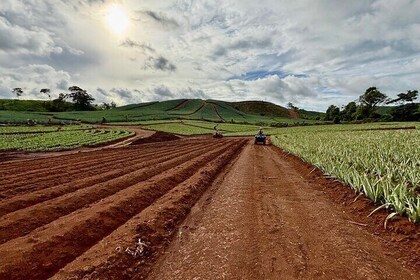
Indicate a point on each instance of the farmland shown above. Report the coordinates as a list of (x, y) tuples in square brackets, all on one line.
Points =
[(386, 170), (143, 210), (180, 109), (48, 138), (114, 208), (42, 204)]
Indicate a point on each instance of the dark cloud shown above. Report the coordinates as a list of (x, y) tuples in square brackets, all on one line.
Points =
[(161, 19), (164, 92), (160, 63), (63, 85), (128, 43), (122, 93), (243, 44)]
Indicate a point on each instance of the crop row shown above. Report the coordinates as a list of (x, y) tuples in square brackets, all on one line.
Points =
[(59, 140), (40, 128), (384, 165)]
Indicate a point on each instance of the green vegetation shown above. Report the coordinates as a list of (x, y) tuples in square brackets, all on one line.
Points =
[(192, 127), (261, 108), (39, 138), (368, 108), (386, 168), (40, 129), (181, 109)]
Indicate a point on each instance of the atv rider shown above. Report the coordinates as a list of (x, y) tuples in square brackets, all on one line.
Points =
[(260, 132)]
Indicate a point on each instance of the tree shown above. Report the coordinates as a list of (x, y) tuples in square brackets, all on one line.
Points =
[(18, 92), (291, 106), (46, 91), (108, 106), (349, 112), (410, 96), (59, 104), (370, 100), (333, 112), (82, 100), (406, 112)]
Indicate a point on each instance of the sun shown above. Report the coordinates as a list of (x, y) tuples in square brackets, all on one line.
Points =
[(117, 20)]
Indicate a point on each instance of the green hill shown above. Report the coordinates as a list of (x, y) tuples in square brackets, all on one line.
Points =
[(262, 108), (24, 105), (251, 112)]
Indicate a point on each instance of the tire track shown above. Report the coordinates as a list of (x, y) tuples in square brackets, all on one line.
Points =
[(46, 250), (21, 222), (31, 198)]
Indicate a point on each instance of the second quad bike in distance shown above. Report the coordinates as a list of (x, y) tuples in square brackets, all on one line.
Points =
[(260, 138), (217, 133)]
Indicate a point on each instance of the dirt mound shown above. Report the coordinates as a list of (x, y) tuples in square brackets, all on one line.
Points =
[(159, 136)]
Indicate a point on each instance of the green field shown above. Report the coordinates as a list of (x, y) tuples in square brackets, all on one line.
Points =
[(41, 138), (181, 109)]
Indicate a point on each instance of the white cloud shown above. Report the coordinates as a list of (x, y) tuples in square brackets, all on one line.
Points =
[(183, 48)]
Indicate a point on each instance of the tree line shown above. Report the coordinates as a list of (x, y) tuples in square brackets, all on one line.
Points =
[(367, 108), (77, 99)]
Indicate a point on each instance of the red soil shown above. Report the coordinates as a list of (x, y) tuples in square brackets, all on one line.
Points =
[(192, 208)]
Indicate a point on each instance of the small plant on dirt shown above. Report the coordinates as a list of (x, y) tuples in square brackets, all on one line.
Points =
[(139, 249)]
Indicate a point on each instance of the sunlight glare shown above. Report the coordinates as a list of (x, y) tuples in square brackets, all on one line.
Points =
[(117, 20)]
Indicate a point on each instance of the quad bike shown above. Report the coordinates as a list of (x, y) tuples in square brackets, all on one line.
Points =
[(260, 139), (217, 134)]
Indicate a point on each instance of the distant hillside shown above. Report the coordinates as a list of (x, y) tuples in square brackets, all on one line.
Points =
[(252, 112), (311, 115), (263, 108), (23, 105), (28, 105)]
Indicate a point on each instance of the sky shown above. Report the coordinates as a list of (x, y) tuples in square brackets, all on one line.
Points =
[(312, 53)]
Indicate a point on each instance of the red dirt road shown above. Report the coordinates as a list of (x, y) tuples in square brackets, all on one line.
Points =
[(266, 221), (190, 209)]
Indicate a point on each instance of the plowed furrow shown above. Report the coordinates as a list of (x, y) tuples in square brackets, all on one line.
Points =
[(21, 201), (155, 226), (44, 175), (24, 221), (21, 166), (26, 185), (46, 250), (10, 169)]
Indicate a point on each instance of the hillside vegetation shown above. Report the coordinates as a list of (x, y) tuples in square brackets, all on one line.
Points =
[(259, 113)]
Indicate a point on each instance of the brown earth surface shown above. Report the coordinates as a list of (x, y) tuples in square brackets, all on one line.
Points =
[(193, 209)]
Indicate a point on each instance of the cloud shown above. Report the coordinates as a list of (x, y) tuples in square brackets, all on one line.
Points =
[(123, 93), (16, 39), (128, 43), (160, 63), (34, 77), (160, 18), (311, 52)]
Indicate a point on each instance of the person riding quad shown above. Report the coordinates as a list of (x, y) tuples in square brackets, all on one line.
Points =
[(260, 137), (217, 134)]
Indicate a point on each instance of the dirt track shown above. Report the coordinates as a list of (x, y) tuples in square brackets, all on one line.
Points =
[(262, 216)]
